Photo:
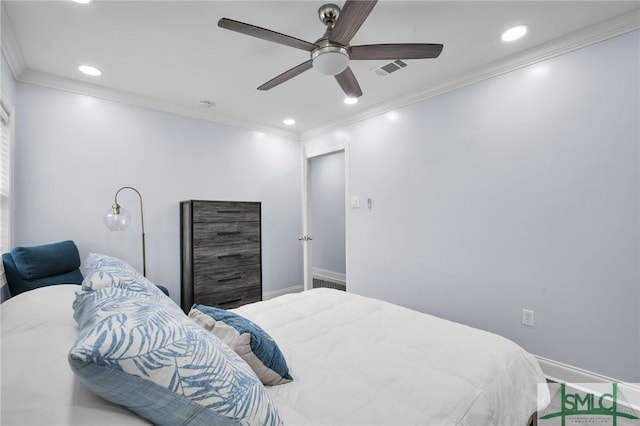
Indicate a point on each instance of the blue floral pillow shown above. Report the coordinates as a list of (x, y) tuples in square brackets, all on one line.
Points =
[(144, 353), (96, 261), (248, 340), (105, 271)]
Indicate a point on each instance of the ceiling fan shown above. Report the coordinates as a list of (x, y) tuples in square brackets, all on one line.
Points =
[(331, 53)]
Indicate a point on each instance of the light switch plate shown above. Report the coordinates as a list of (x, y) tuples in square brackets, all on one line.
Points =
[(355, 202)]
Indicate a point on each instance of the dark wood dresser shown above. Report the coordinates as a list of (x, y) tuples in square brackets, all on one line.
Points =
[(221, 255)]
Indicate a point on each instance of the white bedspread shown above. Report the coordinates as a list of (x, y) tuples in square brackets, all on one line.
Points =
[(360, 361), (355, 361), (38, 386)]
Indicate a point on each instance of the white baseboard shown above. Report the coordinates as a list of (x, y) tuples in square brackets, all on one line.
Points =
[(281, 292), (327, 275), (565, 373), (585, 381)]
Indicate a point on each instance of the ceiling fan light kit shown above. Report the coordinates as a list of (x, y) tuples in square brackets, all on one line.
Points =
[(330, 54), (330, 60)]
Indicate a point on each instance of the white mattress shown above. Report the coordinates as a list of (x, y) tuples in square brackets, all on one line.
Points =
[(360, 361), (354, 361)]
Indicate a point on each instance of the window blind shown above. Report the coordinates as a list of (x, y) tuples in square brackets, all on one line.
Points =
[(5, 178)]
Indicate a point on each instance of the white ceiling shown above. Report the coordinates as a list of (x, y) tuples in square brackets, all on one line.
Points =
[(171, 54)]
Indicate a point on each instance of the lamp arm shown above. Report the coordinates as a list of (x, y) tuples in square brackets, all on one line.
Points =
[(144, 255)]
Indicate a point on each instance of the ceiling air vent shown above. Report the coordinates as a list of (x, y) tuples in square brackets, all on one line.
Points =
[(387, 69)]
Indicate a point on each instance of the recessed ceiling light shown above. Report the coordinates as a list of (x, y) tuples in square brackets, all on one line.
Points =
[(89, 70), (350, 100), (514, 33), (83, 1), (289, 121)]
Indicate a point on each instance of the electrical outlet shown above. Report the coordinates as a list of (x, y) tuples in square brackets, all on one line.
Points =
[(527, 317)]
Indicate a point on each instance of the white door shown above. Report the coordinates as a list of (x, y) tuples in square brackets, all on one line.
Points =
[(307, 238)]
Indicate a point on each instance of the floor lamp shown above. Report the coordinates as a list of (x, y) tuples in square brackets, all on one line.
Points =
[(118, 219)]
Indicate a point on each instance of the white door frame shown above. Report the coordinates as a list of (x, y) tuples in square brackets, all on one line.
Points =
[(307, 155)]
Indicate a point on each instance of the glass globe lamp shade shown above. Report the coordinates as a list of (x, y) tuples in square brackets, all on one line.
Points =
[(117, 219), (330, 60)]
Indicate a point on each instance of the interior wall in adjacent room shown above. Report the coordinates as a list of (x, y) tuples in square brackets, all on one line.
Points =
[(328, 211)]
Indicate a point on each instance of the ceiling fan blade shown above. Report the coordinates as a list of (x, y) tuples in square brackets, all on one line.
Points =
[(349, 84), (396, 51), (287, 75), (351, 17), (265, 34)]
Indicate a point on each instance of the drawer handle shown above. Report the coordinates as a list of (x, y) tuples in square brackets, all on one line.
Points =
[(229, 232), (225, 256), (228, 211), (224, 280)]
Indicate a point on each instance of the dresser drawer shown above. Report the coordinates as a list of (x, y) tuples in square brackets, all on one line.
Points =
[(240, 295), (226, 280), (210, 260), (226, 211), (214, 234)]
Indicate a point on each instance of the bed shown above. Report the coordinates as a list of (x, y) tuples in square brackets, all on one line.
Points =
[(354, 361)]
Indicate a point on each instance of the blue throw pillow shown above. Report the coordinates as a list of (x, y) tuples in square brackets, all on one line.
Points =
[(248, 340), (144, 353)]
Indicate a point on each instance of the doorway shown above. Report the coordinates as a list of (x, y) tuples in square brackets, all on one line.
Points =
[(325, 218)]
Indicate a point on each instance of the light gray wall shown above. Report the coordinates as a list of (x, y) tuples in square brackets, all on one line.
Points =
[(327, 207), (73, 152), (521, 191)]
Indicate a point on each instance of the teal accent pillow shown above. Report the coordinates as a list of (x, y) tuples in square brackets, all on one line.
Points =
[(143, 352), (46, 260), (27, 268), (248, 340)]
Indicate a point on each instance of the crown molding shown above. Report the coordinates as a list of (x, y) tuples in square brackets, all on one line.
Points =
[(9, 44), (582, 38), (61, 83)]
